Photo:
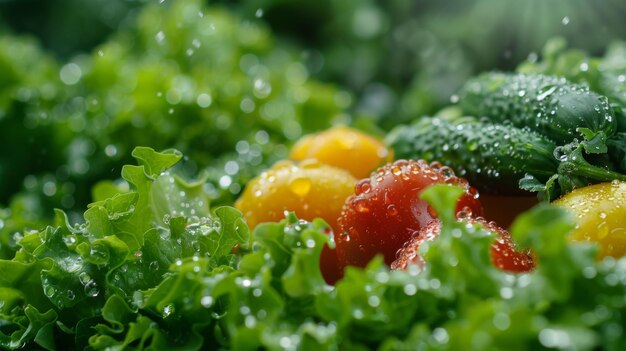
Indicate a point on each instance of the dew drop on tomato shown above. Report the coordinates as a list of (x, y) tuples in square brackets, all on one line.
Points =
[(360, 205), (363, 187), (392, 210), (300, 186)]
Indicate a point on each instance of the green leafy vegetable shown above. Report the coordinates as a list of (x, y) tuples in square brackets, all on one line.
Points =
[(64, 278), (141, 275)]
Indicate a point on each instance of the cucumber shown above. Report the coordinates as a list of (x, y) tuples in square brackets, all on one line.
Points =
[(554, 107), (492, 157), (497, 158)]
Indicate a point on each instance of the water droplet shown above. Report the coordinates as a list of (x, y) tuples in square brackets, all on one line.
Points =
[(441, 335), (225, 181), (262, 88), (373, 301), (206, 301), (360, 205), (110, 150), (160, 36), (247, 105), (250, 321), (506, 293), (50, 291), (584, 67), (553, 338), (204, 100), (565, 21), (70, 74), (168, 310), (84, 278), (465, 213), (501, 321), (91, 289), (589, 272), (364, 186), (410, 289), (300, 186), (545, 92)]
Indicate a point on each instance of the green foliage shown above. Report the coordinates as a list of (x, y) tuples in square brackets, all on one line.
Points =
[(152, 272), (201, 80), (155, 263)]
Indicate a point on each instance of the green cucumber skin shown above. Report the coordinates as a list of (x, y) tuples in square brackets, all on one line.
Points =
[(548, 105), (492, 157)]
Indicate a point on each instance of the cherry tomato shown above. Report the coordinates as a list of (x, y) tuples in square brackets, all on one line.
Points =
[(386, 210), (600, 214), (309, 189), (504, 255), (343, 147)]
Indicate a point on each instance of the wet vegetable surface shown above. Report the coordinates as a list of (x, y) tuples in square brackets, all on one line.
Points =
[(552, 106), (147, 251), (309, 189), (504, 253), (600, 216), (386, 210)]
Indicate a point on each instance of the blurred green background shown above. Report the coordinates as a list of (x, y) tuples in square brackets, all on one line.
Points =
[(233, 83)]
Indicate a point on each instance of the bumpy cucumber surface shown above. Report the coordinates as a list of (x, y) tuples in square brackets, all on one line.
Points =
[(552, 106), (492, 157)]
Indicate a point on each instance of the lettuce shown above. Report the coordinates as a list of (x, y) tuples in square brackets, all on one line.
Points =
[(156, 268)]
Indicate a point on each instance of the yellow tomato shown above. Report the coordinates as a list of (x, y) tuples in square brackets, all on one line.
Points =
[(343, 147), (600, 213), (310, 189)]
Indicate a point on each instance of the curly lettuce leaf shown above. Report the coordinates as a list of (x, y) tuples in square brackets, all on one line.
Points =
[(61, 280), (202, 281)]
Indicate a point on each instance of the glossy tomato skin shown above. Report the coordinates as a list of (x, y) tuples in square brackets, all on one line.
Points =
[(345, 148), (600, 215), (504, 254), (386, 210), (310, 189)]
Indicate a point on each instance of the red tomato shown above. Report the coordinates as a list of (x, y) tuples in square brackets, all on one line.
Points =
[(386, 210), (504, 255)]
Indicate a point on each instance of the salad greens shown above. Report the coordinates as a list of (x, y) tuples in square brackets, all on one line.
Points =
[(155, 268), (203, 80), (157, 259)]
